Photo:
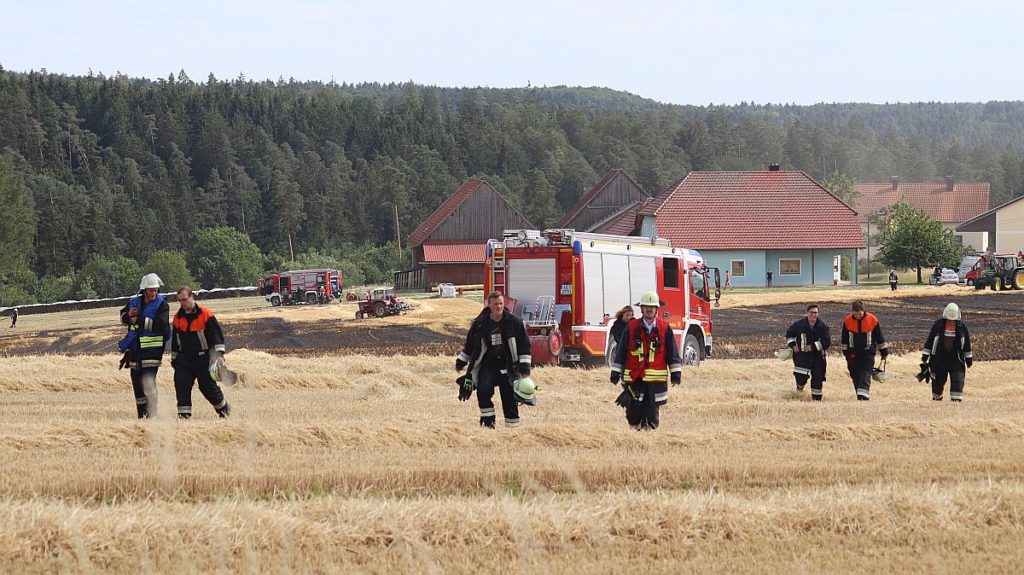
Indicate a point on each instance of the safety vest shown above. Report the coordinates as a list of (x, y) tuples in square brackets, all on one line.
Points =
[(141, 335), (645, 354), (196, 328), (861, 333)]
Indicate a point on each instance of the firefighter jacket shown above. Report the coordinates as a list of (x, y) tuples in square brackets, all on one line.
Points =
[(861, 337), (802, 334), (195, 334), (648, 356), (513, 337), (148, 336), (934, 350)]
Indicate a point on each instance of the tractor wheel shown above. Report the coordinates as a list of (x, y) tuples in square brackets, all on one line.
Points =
[(691, 350), (1018, 279), (359, 315), (379, 309), (970, 282), (275, 301)]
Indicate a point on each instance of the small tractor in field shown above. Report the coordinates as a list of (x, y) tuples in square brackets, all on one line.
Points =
[(1004, 271), (381, 302)]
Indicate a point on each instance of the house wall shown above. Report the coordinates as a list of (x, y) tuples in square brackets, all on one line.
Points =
[(458, 274), (617, 194), (481, 216), (1010, 228), (753, 262), (975, 240)]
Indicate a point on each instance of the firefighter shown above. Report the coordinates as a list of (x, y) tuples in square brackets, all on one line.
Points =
[(644, 359), (146, 316), (809, 339), (197, 349), (14, 317), (894, 280), (861, 337), (496, 354), (947, 354)]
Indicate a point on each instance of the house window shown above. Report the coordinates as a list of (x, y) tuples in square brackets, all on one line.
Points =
[(789, 267), (671, 268), (738, 268)]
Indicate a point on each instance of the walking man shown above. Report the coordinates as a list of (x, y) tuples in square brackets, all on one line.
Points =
[(644, 359), (809, 339), (768, 277), (496, 355), (197, 350), (893, 280), (947, 354), (861, 336), (14, 317), (146, 316)]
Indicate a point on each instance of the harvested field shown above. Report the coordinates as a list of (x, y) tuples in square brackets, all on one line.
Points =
[(345, 461)]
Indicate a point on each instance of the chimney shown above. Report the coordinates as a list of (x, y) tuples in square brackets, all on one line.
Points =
[(773, 167), (949, 183), (895, 183)]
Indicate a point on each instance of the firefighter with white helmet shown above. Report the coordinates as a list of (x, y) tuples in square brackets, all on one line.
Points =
[(646, 358), (146, 316), (947, 354), (809, 338), (497, 355)]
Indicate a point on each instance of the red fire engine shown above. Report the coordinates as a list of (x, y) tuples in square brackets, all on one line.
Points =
[(301, 286), (567, 285)]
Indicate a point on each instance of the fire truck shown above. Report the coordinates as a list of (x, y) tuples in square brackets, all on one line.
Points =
[(567, 285), (301, 286)]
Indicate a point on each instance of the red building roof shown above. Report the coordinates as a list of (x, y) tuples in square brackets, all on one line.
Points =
[(435, 252), (965, 201), (430, 224), (754, 210)]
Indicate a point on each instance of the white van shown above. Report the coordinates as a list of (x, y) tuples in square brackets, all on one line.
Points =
[(965, 266)]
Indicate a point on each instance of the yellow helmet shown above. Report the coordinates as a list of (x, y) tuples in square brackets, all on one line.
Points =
[(650, 298)]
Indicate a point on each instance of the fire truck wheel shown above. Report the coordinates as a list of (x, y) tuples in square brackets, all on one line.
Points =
[(379, 309), (275, 301), (691, 351)]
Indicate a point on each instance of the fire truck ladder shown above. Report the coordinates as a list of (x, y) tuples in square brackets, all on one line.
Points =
[(498, 268)]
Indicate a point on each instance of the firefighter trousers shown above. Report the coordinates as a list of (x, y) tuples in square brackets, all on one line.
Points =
[(815, 373), (644, 413), (144, 387), (952, 369), (185, 375), (487, 379), (860, 372)]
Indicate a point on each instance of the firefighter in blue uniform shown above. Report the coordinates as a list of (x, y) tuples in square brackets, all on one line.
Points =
[(809, 339)]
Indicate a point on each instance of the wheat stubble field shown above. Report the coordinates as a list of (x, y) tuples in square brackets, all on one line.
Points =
[(363, 463)]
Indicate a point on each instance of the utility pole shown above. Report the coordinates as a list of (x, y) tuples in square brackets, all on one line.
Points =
[(398, 231)]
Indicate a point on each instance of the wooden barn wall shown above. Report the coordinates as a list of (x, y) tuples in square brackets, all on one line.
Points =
[(481, 216), (619, 193), (458, 274)]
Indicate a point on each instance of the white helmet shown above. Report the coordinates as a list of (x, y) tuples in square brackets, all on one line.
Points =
[(151, 281), (952, 312), (525, 390), (784, 354)]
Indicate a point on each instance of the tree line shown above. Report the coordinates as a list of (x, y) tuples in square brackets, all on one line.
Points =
[(99, 170)]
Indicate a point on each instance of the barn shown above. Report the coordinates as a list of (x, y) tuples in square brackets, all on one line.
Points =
[(601, 209), (449, 246), (748, 222)]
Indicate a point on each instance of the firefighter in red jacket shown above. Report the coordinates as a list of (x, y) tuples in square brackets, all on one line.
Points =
[(861, 337), (197, 348), (645, 360)]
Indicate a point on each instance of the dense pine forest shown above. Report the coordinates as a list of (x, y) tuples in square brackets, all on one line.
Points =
[(102, 176)]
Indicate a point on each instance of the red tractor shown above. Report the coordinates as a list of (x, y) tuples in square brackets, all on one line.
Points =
[(381, 302)]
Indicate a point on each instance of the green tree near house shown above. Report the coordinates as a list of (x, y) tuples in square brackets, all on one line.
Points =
[(841, 187), (910, 239)]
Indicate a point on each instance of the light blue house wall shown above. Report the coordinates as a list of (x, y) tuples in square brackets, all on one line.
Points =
[(815, 266)]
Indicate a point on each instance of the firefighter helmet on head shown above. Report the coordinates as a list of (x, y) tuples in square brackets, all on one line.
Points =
[(650, 298), (952, 312), (151, 281)]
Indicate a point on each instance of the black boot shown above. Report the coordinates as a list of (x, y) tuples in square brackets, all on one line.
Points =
[(184, 416), (488, 421), (140, 408), (224, 411)]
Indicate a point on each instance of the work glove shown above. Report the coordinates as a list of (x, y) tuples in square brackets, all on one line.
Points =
[(676, 378), (124, 361), (459, 365), (524, 369), (969, 361), (884, 352), (466, 387), (624, 399), (925, 375), (615, 377)]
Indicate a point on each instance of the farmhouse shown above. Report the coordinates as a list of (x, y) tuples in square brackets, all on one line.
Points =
[(449, 246), (1003, 223), (601, 208), (951, 203), (747, 223)]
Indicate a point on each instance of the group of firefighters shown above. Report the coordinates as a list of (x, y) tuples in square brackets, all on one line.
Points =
[(646, 359), (196, 343)]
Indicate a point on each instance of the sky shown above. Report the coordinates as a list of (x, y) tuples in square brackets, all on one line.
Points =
[(672, 51)]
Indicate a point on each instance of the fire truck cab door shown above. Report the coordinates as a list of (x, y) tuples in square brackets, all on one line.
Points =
[(700, 299)]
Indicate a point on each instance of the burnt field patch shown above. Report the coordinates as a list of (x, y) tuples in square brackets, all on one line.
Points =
[(996, 323)]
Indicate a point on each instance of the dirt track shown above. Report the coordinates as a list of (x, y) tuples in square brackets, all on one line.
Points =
[(437, 327)]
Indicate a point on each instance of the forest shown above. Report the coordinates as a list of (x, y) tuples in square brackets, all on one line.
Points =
[(102, 176)]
